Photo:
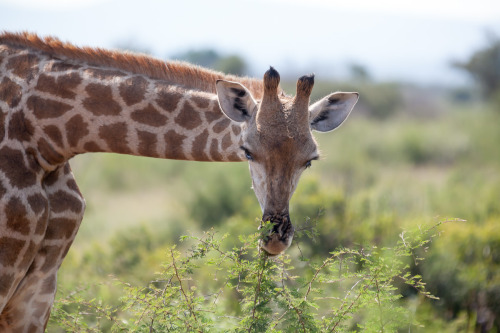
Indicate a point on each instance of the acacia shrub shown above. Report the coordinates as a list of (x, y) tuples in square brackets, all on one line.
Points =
[(350, 288)]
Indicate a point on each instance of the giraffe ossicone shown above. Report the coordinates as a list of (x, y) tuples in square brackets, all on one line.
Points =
[(58, 101)]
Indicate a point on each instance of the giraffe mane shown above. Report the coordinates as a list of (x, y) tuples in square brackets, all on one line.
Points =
[(175, 72)]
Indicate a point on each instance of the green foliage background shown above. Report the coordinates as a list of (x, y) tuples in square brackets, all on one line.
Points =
[(405, 160)]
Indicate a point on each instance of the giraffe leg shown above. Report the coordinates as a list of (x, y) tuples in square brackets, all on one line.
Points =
[(23, 221), (34, 297)]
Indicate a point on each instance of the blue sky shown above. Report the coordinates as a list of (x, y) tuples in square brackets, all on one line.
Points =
[(395, 40)]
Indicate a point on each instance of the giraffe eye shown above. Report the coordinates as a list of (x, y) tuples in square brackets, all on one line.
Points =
[(248, 155), (309, 163)]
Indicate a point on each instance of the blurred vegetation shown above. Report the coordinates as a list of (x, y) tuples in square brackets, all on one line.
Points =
[(229, 64), (407, 159), (484, 67)]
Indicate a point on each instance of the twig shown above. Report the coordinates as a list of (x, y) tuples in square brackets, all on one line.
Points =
[(151, 325), (279, 319), (257, 289), (188, 301), (290, 303), (402, 236), (316, 275), (352, 303), (380, 307)]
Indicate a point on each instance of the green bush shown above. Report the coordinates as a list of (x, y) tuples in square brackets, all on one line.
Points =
[(463, 269), (348, 289)]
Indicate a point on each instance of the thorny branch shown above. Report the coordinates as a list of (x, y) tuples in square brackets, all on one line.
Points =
[(380, 306), (188, 301), (290, 303), (257, 288), (352, 303)]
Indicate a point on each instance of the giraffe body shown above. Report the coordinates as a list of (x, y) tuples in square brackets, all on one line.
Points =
[(57, 101)]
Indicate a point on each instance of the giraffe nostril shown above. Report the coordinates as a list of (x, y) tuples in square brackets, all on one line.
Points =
[(280, 235)]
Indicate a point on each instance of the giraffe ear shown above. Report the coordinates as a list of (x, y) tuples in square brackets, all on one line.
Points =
[(330, 112), (235, 100)]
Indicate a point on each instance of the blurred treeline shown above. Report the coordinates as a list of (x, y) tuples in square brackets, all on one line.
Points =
[(408, 156)]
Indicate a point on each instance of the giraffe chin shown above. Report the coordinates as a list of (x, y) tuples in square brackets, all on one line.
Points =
[(279, 239)]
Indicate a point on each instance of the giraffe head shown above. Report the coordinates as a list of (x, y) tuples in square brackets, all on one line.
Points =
[(277, 141)]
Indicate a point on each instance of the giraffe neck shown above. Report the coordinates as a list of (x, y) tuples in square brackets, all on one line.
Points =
[(132, 114), (71, 107)]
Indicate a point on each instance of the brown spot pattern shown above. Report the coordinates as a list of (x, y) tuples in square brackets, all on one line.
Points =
[(13, 166), (2, 124), (39, 310), (59, 66), (10, 248), (61, 201), (214, 150), (31, 155), (147, 143), (25, 66), (188, 117), (41, 224), (33, 327), (66, 169), (72, 185), (46, 108), (9, 313), (199, 144), (19, 127), (64, 86), (49, 153), (51, 251), (6, 281), (60, 228), (76, 129), (51, 178), (10, 92), (92, 147), (132, 90), (168, 100), (28, 256), (173, 148), (103, 74), (115, 136), (55, 134), (2, 190), (234, 158), (214, 114), (66, 249), (37, 202), (221, 125), (202, 103), (100, 100), (48, 286), (15, 212), (236, 129), (226, 141), (149, 116)]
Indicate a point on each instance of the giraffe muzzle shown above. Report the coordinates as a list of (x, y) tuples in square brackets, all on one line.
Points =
[(280, 236)]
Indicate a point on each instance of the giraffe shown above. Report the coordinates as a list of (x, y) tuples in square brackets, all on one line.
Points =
[(58, 100)]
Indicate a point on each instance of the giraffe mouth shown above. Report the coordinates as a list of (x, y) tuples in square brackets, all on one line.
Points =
[(279, 237)]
